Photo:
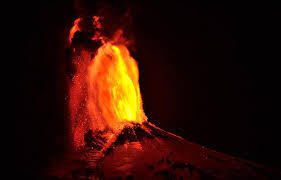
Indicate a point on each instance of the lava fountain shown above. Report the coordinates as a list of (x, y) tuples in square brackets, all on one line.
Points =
[(113, 94), (104, 91)]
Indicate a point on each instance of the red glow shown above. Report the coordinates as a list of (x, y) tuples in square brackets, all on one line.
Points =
[(104, 92)]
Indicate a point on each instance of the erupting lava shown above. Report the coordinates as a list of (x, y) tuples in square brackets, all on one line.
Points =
[(104, 92), (113, 93)]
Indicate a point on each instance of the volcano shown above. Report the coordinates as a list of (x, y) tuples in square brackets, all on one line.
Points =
[(111, 136), (144, 151)]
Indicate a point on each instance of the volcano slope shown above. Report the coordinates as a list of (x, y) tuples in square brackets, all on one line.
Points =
[(144, 151)]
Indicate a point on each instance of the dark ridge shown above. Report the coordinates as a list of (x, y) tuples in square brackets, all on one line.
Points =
[(132, 134), (135, 133), (155, 132)]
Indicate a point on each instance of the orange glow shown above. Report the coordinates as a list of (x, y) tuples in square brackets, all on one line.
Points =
[(104, 92)]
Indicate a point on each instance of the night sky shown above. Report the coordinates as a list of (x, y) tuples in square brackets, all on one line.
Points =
[(208, 73)]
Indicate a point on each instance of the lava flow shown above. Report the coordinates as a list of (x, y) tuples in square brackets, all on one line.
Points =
[(104, 91)]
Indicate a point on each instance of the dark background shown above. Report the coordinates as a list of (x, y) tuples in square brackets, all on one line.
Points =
[(208, 73)]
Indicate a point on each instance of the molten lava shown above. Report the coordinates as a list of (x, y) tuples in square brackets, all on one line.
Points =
[(114, 94), (104, 92)]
